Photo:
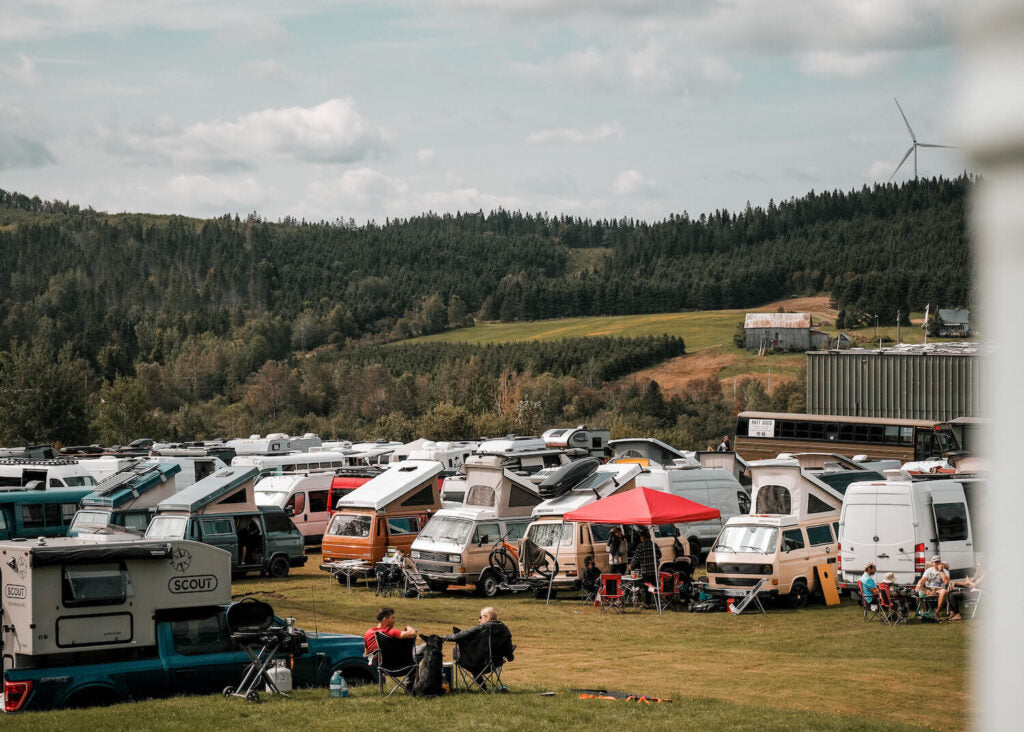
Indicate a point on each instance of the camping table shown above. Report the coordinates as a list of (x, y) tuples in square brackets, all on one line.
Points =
[(347, 567), (632, 590)]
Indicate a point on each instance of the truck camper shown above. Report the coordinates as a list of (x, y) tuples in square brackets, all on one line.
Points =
[(38, 473), (303, 496), (276, 443), (595, 442), (792, 527), (386, 511), (127, 499), (221, 510), (900, 522), (26, 513), (453, 548)]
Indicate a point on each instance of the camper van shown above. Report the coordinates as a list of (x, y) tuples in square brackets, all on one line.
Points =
[(791, 529), (127, 499), (713, 487), (41, 474), (900, 522), (25, 513), (295, 462), (304, 497), (387, 511), (221, 510), (346, 480), (644, 450), (453, 548), (571, 543), (274, 444), (595, 442)]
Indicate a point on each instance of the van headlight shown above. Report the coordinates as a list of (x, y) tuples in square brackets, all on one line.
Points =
[(455, 558), (766, 569), (712, 567), (415, 554)]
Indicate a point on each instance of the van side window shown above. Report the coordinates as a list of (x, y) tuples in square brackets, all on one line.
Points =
[(486, 533), (516, 529), (3, 521), (951, 521), (480, 495), (276, 521), (55, 483), (317, 501), (773, 499), (403, 525), (38, 515), (818, 535), (816, 505), (217, 526), (236, 497), (423, 497), (68, 511), (296, 504), (792, 539), (520, 497), (96, 584)]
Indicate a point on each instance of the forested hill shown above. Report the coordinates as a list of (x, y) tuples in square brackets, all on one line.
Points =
[(133, 287)]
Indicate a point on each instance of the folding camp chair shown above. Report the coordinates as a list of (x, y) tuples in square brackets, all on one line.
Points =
[(611, 595), (667, 591), (394, 662), (871, 610), (973, 599), (590, 590), (886, 607), (479, 660)]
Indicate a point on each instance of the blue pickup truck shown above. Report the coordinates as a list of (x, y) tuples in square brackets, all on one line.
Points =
[(194, 654)]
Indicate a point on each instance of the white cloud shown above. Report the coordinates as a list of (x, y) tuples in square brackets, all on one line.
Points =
[(20, 144), (23, 71), (426, 156), (331, 132), (590, 67), (828, 64), (230, 194), (880, 170), (631, 183), (267, 68), (576, 137)]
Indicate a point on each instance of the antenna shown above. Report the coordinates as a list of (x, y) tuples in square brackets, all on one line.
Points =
[(914, 144), (316, 629)]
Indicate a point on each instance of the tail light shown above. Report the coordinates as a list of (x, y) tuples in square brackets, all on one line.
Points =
[(16, 694), (919, 559), (839, 558)]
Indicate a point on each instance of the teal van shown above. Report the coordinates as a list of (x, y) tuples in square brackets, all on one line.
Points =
[(26, 514), (221, 510)]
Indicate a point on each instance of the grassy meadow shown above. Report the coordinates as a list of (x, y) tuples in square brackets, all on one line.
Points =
[(816, 668)]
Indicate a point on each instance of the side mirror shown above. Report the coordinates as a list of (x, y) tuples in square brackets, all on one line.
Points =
[(289, 511), (483, 540)]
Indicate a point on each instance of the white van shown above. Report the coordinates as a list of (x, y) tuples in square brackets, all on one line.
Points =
[(712, 487), (303, 497), (62, 472), (900, 522)]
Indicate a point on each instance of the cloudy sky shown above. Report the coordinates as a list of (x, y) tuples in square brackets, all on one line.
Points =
[(331, 109)]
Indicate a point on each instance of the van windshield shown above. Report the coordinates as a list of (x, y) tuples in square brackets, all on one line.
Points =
[(88, 522), (349, 525), (747, 539), (445, 529), (78, 481), (270, 498), (551, 534), (167, 527)]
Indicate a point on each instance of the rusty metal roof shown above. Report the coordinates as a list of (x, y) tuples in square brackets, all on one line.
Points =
[(777, 320)]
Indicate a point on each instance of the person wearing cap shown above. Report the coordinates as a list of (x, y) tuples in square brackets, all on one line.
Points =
[(934, 582)]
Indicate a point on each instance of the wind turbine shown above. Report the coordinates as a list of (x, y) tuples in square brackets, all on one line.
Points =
[(914, 144)]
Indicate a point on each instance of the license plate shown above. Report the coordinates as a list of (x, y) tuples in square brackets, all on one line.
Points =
[(736, 593)]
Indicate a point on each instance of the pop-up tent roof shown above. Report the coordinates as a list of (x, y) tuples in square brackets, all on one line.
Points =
[(394, 483), (643, 506), (127, 485), (230, 486)]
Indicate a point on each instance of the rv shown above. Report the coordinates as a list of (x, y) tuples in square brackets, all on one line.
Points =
[(127, 499), (900, 522), (274, 444), (453, 548), (221, 510), (25, 514), (791, 529), (293, 462), (44, 473), (595, 442), (450, 454), (387, 511), (303, 497)]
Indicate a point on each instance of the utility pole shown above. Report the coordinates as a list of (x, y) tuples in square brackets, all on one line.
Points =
[(899, 338), (876, 326)]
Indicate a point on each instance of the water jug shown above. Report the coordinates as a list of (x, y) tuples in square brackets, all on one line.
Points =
[(339, 689)]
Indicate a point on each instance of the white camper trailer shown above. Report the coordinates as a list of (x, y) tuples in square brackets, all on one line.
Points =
[(594, 442), (274, 444)]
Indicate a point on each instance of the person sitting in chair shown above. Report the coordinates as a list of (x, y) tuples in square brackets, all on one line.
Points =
[(960, 590), (386, 625), (934, 582), (869, 585), (591, 580), (501, 648)]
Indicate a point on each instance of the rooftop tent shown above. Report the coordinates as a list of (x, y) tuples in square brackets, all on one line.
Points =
[(607, 480), (489, 485), (645, 447), (783, 487), (125, 487), (227, 490), (643, 507), (396, 484)]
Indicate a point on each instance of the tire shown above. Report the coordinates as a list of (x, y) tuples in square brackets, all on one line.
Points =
[(253, 697), (278, 567), (228, 691), (799, 595), (487, 585)]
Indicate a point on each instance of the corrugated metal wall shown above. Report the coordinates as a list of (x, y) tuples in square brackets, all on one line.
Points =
[(790, 339), (896, 385)]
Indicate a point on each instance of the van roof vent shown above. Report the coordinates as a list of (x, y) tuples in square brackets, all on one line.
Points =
[(896, 474)]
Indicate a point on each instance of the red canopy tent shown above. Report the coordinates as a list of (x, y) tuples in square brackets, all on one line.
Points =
[(643, 507)]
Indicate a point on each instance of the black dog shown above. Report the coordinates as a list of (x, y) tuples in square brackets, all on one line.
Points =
[(429, 677)]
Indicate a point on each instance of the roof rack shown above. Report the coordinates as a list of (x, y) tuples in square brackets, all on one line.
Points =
[(35, 461)]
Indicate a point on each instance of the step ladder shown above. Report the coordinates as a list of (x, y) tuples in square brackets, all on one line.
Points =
[(414, 580)]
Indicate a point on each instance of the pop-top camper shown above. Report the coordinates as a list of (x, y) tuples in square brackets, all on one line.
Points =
[(126, 499), (221, 510), (454, 546), (69, 596), (386, 511), (595, 442)]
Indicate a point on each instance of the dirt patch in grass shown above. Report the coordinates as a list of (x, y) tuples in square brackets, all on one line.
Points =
[(675, 374), (816, 305)]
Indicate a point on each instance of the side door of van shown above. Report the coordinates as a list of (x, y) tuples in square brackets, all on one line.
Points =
[(953, 527), (219, 531), (6, 524), (793, 559), (316, 516), (402, 531), (485, 534), (822, 550)]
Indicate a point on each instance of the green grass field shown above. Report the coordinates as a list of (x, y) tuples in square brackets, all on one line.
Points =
[(816, 668)]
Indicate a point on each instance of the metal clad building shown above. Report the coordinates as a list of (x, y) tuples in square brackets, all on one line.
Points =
[(935, 381), (781, 332)]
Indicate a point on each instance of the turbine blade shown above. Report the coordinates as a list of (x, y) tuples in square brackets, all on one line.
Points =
[(901, 163), (928, 144), (909, 129)]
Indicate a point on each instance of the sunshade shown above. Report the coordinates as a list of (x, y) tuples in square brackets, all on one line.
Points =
[(645, 507)]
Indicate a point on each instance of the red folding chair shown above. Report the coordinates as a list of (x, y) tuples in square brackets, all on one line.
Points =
[(611, 595), (667, 590)]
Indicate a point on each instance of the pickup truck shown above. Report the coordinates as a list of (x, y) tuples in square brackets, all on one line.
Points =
[(194, 654)]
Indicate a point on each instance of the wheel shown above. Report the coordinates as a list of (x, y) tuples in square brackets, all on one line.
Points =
[(253, 696), (278, 567), (228, 691), (487, 585), (799, 594), (501, 561), (744, 502)]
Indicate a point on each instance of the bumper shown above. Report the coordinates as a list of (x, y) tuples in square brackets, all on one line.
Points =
[(297, 561)]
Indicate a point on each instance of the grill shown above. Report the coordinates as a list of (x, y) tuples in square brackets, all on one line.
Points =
[(434, 556), (736, 581), (731, 568), (431, 567)]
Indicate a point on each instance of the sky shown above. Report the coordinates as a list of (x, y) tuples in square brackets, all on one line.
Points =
[(335, 110)]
